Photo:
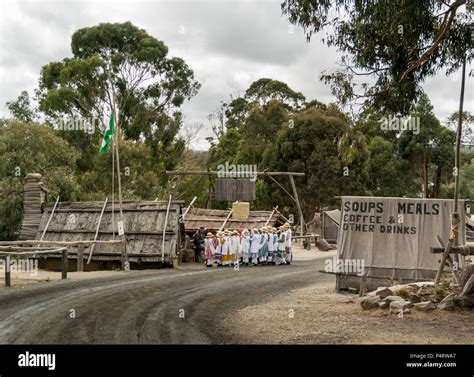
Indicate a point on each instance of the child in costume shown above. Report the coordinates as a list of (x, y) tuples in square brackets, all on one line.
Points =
[(245, 247), (234, 247), (281, 245), (271, 245), (254, 246), (263, 252), (289, 254), (209, 249), (218, 248)]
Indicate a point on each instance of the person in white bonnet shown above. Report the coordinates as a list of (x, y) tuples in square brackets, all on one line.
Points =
[(209, 249), (254, 245), (281, 245), (288, 251)]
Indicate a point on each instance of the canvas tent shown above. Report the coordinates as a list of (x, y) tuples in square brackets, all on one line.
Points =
[(330, 225), (392, 238)]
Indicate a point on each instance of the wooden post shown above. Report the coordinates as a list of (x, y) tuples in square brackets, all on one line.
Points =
[(455, 220), (49, 220), (7, 272), (187, 209), (164, 231), (124, 258), (274, 210), (80, 257), (225, 221), (97, 231), (323, 233), (175, 187), (64, 264), (362, 286), (298, 205)]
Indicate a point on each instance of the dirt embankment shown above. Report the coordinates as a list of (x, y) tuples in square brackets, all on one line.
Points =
[(318, 315)]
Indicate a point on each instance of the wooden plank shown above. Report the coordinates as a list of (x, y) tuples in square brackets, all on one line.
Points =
[(130, 233), (97, 230), (164, 231), (64, 243), (80, 258), (64, 264), (187, 209), (49, 220), (298, 206), (93, 210), (271, 215), (199, 172), (7, 272), (32, 252), (225, 221)]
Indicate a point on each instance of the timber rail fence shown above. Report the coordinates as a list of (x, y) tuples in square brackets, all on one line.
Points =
[(34, 248)]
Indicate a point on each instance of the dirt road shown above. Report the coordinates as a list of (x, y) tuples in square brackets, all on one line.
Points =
[(180, 306)]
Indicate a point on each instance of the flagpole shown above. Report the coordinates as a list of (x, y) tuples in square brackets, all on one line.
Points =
[(112, 139), (119, 182)]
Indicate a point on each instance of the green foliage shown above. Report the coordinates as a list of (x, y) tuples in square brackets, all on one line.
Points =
[(22, 109), (394, 44), (25, 148), (124, 62)]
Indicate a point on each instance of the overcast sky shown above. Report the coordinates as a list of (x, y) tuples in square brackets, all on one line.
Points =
[(228, 44)]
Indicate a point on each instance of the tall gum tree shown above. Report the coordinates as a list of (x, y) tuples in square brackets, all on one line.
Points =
[(120, 66)]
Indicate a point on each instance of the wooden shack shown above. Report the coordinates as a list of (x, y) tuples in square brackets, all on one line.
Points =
[(143, 225), (213, 219)]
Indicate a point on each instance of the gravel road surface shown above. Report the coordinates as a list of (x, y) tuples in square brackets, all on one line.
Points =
[(170, 306)]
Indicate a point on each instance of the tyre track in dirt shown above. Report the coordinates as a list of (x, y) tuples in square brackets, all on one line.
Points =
[(144, 306)]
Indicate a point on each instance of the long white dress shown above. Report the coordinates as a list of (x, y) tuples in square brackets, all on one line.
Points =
[(254, 247)]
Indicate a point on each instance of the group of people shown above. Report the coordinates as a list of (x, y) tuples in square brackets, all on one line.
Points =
[(264, 246)]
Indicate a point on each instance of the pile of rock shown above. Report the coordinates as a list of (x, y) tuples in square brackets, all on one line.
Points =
[(420, 296)]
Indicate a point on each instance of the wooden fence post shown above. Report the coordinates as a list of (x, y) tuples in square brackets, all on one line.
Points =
[(80, 257), (64, 266), (7, 272)]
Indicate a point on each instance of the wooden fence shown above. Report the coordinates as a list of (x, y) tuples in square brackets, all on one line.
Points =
[(34, 248)]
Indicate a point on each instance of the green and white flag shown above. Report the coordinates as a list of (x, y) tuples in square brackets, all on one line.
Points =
[(108, 133)]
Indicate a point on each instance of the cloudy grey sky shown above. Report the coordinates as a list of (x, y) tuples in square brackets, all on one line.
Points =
[(228, 44)]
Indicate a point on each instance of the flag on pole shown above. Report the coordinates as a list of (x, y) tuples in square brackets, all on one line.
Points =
[(108, 133)]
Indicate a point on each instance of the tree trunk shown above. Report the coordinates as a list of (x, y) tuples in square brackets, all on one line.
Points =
[(437, 185)]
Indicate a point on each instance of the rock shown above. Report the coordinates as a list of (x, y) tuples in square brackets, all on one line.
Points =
[(370, 302), (323, 245), (383, 292), (423, 284), (447, 303), (394, 298), (465, 301), (415, 299), (424, 306), (397, 306), (384, 304)]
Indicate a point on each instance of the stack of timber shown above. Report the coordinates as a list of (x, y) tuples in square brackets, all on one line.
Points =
[(144, 226), (34, 196)]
